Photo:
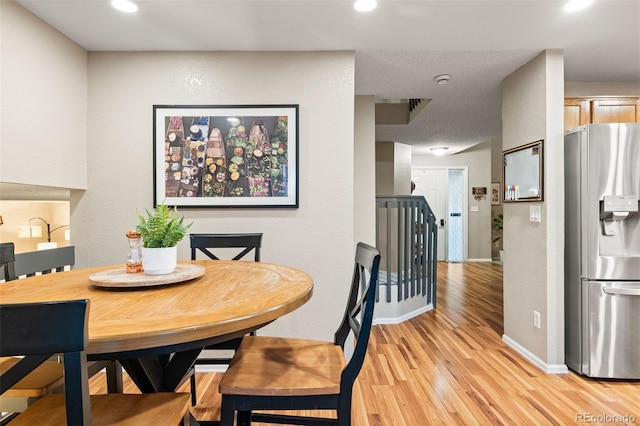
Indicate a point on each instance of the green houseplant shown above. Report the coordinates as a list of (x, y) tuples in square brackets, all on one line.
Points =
[(161, 231), (497, 225), (163, 228)]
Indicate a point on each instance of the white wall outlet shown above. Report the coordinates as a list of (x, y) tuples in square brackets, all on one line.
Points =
[(536, 319)]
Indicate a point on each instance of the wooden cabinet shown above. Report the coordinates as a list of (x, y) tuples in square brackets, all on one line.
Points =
[(615, 110), (580, 111), (577, 112)]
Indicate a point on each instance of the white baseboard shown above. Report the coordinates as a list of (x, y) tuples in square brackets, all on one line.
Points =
[(481, 259), (547, 368), (211, 368), (407, 316)]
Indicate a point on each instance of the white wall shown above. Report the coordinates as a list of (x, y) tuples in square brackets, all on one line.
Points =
[(43, 87), (385, 167), (402, 169), (393, 168), (532, 109), (364, 212), (578, 89), (317, 238), (478, 161)]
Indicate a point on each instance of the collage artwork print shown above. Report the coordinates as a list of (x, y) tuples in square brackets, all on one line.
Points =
[(228, 159)]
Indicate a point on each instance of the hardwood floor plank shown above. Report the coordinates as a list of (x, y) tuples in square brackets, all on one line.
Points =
[(450, 367)]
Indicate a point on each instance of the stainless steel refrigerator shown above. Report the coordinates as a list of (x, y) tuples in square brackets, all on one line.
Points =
[(602, 250)]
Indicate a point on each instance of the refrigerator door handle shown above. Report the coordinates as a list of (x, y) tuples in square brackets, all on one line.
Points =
[(622, 291)]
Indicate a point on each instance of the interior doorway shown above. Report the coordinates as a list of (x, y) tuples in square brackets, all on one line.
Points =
[(455, 209), (445, 189)]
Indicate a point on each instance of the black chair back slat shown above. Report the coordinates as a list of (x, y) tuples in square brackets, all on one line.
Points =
[(42, 328), (247, 242), (19, 370)]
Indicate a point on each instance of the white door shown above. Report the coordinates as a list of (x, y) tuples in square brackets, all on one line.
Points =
[(432, 184)]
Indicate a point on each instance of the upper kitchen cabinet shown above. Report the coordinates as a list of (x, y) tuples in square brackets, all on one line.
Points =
[(577, 112), (615, 110), (581, 111)]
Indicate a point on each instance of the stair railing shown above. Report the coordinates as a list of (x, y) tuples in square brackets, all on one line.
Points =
[(407, 237)]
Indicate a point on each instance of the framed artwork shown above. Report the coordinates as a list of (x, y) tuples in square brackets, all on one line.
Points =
[(226, 156), (479, 193), (495, 193)]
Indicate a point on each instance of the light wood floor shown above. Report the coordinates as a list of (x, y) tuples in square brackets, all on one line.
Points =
[(450, 367)]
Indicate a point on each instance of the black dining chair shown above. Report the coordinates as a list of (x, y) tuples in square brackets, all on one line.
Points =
[(45, 379), (61, 327), (273, 373), (237, 246)]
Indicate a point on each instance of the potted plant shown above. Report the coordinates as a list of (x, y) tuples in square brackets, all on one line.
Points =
[(161, 231), (496, 224)]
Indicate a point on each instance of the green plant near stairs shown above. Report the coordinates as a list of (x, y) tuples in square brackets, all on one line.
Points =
[(497, 225)]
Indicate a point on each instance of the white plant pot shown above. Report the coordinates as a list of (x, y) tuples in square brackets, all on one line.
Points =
[(159, 261), (501, 255)]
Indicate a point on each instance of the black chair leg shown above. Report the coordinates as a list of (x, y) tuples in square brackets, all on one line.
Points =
[(192, 379), (226, 411), (244, 418), (344, 417), (114, 377)]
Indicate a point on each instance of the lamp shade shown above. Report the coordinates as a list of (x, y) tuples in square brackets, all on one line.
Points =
[(36, 231), (23, 232), (29, 231)]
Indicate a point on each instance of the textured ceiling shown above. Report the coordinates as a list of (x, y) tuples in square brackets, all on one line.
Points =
[(399, 47)]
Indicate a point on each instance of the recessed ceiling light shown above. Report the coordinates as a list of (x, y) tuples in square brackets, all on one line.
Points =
[(442, 78), (575, 5), (125, 6), (439, 150), (365, 5)]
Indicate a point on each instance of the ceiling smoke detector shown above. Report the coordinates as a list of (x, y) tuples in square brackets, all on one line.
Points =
[(442, 78)]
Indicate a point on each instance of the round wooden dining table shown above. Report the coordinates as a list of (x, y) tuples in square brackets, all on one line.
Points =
[(158, 331)]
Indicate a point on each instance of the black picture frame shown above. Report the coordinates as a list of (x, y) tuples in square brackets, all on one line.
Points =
[(243, 156), (523, 173)]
